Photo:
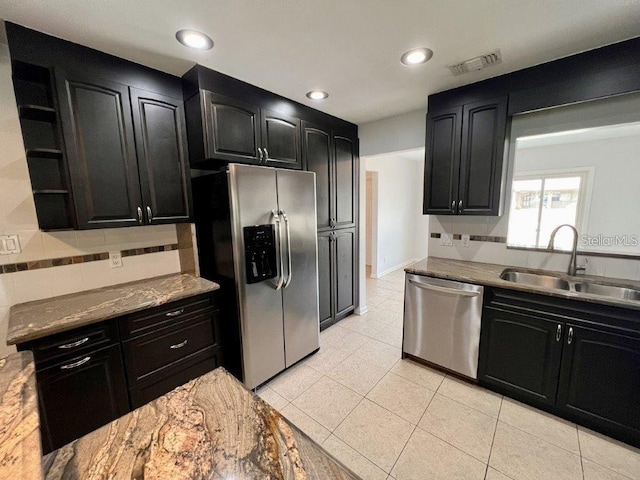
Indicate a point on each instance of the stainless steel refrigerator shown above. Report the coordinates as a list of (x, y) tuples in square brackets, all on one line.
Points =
[(256, 230)]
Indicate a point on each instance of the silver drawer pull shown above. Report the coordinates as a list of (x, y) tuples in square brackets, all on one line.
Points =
[(74, 344), (179, 345), (175, 313), (75, 364)]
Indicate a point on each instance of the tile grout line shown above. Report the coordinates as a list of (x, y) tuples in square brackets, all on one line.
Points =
[(493, 439), (580, 451)]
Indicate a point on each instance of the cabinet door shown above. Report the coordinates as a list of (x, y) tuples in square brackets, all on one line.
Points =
[(232, 129), (318, 158), (162, 155), (325, 278), (81, 395), (345, 181), (442, 162), (483, 134), (600, 379), (98, 134), (281, 140), (345, 266), (520, 354)]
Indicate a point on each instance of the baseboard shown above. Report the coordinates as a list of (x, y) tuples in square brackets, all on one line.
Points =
[(361, 310), (393, 269)]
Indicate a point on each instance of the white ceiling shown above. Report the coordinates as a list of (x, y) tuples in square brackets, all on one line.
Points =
[(350, 48), (581, 135)]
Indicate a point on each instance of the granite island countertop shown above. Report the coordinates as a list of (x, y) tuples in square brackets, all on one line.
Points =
[(209, 428), (488, 274), (20, 453), (33, 320)]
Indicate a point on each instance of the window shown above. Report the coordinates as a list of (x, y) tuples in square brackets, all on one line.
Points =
[(545, 200)]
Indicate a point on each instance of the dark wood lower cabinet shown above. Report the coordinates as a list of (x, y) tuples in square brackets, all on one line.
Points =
[(337, 272), (80, 395), (89, 376), (521, 354), (577, 360), (600, 379)]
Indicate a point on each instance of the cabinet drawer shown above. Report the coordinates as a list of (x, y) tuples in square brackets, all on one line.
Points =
[(63, 346), (174, 375), (149, 353), (150, 320)]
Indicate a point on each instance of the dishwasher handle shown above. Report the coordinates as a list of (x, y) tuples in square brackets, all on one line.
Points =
[(445, 290)]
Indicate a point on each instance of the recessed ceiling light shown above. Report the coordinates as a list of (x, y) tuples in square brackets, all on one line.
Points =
[(416, 56), (317, 95), (194, 39)]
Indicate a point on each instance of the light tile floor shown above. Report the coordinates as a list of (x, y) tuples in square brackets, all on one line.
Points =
[(388, 418)]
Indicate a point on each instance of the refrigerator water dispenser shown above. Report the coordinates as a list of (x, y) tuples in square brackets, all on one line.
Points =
[(260, 253)]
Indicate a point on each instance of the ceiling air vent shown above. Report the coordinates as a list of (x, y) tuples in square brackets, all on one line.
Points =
[(477, 63)]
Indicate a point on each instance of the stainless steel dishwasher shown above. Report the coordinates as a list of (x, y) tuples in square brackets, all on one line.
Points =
[(442, 323)]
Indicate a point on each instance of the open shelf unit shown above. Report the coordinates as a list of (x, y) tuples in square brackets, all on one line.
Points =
[(44, 145)]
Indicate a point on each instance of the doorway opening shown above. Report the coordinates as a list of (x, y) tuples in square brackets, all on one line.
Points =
[(371, 210)]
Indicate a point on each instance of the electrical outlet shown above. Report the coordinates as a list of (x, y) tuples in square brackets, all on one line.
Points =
[(9, 244), (115, 259), (446, 239), (465, 240)]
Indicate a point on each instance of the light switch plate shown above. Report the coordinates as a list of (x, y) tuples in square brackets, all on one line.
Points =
[(465, 240), (9, 244), (115, 259), (446, 239)]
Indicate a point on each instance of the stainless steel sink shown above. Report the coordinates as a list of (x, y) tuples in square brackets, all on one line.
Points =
[(536, 279), (612, 291), (572, 284)]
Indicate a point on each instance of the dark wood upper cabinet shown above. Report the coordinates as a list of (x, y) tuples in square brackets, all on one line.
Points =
[(98, 134), (232, 129), (464, 159), (317, 147), (600, 378), (345, 181), (442, 165), (236, 131), (281, 140), (162, 156), (481, 157)]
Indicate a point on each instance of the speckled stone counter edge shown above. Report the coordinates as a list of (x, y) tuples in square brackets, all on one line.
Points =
[(488, 274), (40, 318)]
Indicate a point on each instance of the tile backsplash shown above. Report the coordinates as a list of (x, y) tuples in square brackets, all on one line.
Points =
[(488, 244)]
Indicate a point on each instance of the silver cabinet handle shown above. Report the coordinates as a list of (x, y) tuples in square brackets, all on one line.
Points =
[(276, 220), (179, 345), (149, 214), (140, 219), (460, 206), (445, 290), (558, 333), (453, 206), (260, 155), (266, 154), (288, 230), (74, 344), (175, 313), (570, 337), (69, 366)]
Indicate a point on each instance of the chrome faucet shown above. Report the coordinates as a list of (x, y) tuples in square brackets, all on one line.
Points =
[(573, 268)]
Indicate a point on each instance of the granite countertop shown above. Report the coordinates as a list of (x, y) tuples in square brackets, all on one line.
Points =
[(20, 453), (33, 320), (488, 274), (211, 427)]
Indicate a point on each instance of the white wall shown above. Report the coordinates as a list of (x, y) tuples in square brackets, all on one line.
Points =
[(393, 134), (18, 216), (401, 228)]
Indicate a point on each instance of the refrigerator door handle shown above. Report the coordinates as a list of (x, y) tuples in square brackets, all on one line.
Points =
[(276, 219), (288, 230)]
